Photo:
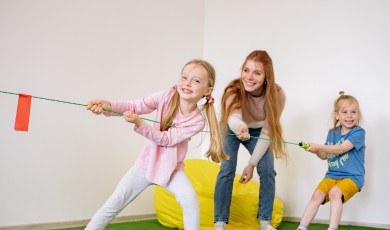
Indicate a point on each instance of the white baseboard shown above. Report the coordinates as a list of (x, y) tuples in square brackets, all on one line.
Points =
[(354, 223), (76, 223), (120, 219)]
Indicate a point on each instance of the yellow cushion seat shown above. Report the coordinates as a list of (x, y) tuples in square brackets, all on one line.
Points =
[(203, 176)]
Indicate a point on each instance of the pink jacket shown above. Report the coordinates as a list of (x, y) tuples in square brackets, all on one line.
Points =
[(164, 151)]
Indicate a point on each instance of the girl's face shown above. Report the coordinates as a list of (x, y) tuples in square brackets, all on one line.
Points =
[(194, 83), (348, 116), (253, 77)]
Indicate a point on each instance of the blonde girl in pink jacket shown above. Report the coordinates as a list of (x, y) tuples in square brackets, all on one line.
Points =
[(160, 162)]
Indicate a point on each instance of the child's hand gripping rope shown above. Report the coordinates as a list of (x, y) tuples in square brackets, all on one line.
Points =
[(304, 145)]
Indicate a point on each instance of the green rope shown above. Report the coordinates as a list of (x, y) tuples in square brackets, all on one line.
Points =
[(266, 139), (73, 103), (120, 113), (273, 140)]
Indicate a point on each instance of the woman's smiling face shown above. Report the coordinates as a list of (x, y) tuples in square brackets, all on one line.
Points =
[(253, 77)]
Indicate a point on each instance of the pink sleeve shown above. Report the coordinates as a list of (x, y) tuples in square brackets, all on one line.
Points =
[(141, 106), (173, 135)]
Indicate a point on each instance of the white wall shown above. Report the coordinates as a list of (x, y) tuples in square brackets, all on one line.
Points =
[(69, 162), (318, 48)]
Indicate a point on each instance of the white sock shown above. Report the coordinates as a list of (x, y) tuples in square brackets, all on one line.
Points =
[(302, 227), (264, 222), (332, 229)]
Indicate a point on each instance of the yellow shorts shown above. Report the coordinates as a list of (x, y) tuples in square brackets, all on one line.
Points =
[(347, 186)]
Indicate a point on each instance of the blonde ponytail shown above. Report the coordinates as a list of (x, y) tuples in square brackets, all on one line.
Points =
[(215, 151)]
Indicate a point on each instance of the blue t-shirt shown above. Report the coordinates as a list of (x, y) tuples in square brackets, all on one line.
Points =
[(349, 164)]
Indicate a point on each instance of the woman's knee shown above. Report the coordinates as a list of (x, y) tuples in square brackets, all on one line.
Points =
[(228, 168), (266, 170)]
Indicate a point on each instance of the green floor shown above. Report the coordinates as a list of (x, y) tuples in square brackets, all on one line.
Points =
[(155, 225)]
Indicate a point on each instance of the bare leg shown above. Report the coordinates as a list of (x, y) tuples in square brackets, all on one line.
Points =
[(336, 207), (311, 209)]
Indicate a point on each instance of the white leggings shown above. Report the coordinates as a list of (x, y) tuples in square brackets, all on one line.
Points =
[(133, 183)]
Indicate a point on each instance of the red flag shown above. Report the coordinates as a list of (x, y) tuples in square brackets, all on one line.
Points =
[(23, 113)]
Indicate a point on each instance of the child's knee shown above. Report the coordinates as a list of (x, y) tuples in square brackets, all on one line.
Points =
[(335, 193), (188, 198), (318, 197)]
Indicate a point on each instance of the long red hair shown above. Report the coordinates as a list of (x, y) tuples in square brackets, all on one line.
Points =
[(236, 91)]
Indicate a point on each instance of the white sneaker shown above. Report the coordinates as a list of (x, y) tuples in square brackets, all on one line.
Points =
[(267, 227), (220, 225)]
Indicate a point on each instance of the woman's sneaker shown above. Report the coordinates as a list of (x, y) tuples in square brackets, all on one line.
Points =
[(265, 225), (220, 225)]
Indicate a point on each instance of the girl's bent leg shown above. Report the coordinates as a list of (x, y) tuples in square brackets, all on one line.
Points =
[(181, 187), (336, 207), (130, 186), (311, 209)]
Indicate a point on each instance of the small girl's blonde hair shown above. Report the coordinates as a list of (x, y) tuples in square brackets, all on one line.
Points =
[(342, 101)]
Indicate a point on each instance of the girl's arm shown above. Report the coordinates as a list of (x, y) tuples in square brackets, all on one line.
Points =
[(322, 150), (140, 106), (98, 106), (173, 135), (132, 118)]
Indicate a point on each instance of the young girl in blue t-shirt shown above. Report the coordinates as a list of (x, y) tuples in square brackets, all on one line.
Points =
[(344, 150)]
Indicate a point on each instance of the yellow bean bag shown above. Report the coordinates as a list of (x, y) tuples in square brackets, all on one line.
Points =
[(203, 175)]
